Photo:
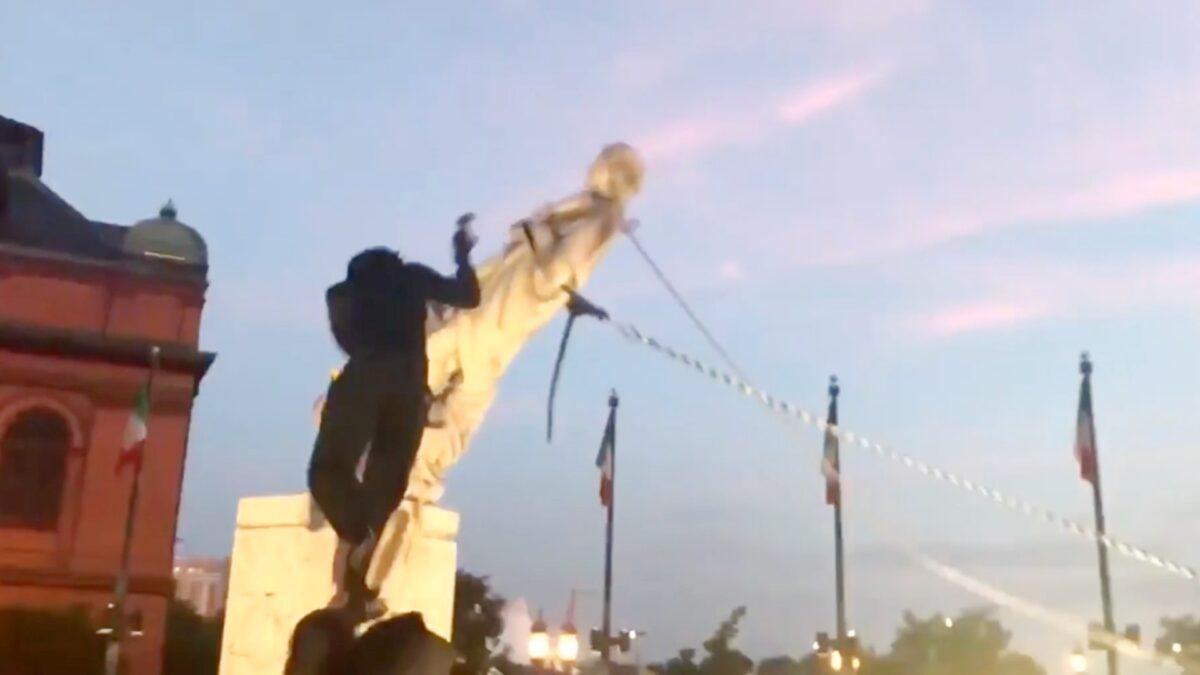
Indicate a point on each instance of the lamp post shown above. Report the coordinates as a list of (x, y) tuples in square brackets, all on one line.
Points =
[(838, 655), (555, 654), (539, 643), (567, 647), (120, 629)]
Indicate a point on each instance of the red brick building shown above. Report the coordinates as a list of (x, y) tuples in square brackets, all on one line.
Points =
[(81, 304)]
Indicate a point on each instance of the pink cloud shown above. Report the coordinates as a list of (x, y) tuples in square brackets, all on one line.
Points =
[(1121, 195), (1125, 195), (813, 100), (1028, 290), (690, 136), (703, 132), (976, 317)]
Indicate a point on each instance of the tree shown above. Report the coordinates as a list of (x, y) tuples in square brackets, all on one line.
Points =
[(786, 665), (973, 643), (721, 658), (684, 664), (1185, 632), (39, 641), (477, 624), (193, 643)]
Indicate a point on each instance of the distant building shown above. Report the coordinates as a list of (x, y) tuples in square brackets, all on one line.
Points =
[(81, 304), (202, 583)]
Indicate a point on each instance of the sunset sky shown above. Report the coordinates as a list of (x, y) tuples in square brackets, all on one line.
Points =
[(943, 203)]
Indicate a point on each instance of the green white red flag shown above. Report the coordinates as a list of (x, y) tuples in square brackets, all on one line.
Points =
[(605, 459), (830, 461), (134, 440), (1085, 427)]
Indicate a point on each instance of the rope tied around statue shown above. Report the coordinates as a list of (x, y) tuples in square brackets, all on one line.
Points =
[(577, 306)]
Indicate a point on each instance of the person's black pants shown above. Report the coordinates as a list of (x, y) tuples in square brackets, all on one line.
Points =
[(377, 400)]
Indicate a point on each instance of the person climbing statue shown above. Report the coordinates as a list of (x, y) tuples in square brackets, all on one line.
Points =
[(380, 399)]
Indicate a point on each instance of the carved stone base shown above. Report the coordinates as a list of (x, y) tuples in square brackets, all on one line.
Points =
[(282, 569)]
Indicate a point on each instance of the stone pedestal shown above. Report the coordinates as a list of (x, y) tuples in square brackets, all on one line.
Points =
[(282, 569)]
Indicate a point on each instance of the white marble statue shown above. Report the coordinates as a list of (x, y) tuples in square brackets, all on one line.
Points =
[(522, 289), (284, 554)]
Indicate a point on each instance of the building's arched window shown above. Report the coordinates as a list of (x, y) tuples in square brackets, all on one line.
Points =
[(33, 468)]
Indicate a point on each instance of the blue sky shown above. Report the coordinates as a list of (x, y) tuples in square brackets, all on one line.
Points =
[(944, 203)]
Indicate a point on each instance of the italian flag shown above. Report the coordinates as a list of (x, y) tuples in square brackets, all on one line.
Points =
[(135, 430), (831, 463), (1085, 429), (605, 460)]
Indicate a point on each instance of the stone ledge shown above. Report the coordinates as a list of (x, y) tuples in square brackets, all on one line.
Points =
[(299, 510)]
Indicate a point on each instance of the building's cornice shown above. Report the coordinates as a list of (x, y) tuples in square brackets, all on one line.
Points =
[(91, 345), (158, 270)]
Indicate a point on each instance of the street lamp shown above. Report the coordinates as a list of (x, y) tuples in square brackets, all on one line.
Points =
[(836, 654), (1078, 661), (539, 642), (1176, 648), (567, 645), (948, 622)]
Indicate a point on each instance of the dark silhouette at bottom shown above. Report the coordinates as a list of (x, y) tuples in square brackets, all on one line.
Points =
[(324, 643)]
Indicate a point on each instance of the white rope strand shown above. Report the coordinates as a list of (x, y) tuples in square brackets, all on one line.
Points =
[(1022, 506), (685, 306)]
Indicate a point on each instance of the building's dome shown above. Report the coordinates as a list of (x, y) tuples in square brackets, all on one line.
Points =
[(166, 238)]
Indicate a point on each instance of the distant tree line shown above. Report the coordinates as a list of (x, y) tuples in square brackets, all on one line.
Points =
[(973, 643), (41, 641)]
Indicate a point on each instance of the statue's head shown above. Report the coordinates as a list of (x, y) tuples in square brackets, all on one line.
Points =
[(616, 173)]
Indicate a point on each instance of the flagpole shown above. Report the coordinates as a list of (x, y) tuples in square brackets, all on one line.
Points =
[(1085, 368), (112, 652), (839, 559), (613, 402)]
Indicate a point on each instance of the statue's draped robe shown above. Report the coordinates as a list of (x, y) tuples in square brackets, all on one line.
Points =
[(521, 291)]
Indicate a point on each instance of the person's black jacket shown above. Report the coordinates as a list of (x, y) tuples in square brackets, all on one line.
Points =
[(381, 306)]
